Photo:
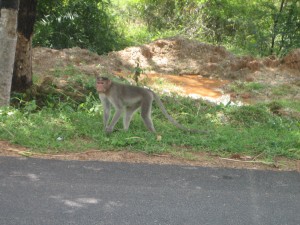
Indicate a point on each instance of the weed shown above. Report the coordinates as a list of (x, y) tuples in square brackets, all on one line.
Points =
[(290, 103), (248, 115), (284, 89), (242, 87)]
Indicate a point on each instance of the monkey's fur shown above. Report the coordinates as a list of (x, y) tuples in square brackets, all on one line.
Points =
[(129, 98)]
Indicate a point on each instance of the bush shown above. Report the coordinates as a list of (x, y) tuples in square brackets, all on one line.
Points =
[(83, 23)]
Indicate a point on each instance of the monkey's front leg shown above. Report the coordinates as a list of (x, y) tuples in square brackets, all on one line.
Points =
[(114, 121), (106, 110), (106, 115)]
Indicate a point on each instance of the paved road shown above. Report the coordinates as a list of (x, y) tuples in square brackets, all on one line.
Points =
[(51, 192)]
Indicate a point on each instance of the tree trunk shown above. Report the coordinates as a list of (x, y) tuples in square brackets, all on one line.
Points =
[(8, 40), (22, 76), (275, 27)]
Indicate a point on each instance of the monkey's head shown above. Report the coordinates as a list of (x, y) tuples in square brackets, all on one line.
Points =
[(103, 84)]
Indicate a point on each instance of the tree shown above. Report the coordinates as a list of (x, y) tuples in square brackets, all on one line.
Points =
[(8, 40), (257, 27), (83, 23), (286, 27), (22, 75)]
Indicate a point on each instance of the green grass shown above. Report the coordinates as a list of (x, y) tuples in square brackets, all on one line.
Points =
[(287, 103), (243, 87), (56, 122), (66, 127), (282, 90)]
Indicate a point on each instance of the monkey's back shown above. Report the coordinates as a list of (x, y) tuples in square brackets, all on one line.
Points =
[(133, 94)]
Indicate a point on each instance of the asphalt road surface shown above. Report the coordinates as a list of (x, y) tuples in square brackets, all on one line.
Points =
[(52, 192)]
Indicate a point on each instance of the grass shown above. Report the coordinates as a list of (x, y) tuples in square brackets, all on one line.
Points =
[(244, 87), (66, 126)]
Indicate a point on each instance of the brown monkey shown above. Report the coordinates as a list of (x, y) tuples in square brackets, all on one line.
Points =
[(129, 98)]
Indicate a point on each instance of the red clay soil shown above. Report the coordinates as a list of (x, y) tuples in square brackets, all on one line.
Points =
[(195, 84)]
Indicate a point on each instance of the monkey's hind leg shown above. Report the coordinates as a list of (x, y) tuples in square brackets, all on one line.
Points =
[(146, 109), (129, 112)]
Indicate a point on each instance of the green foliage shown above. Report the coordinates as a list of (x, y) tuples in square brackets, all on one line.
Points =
[(83, 23), (257, 27)]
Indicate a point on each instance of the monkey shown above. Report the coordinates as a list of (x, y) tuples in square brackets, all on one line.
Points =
[(129, 98)]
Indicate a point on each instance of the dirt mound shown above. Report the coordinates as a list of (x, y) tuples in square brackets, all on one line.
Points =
[(46, 60), (183, 56), (177, 56), (292, 60)]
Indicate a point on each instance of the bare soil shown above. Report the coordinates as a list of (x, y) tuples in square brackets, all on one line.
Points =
[(177, 56), (195, 68), (199, 159)]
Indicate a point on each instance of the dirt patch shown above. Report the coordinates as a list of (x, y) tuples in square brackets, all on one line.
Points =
[(177, 56), (184, 57), (195, 85), (199, 159), (46, 60), (292, 60)]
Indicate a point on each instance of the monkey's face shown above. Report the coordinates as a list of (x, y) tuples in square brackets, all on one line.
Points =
[(103, 84)]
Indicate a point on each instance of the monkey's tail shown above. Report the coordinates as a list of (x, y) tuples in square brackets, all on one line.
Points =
[(170, 118)]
